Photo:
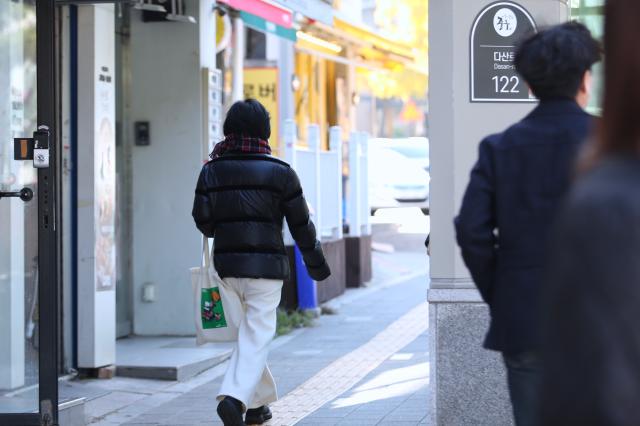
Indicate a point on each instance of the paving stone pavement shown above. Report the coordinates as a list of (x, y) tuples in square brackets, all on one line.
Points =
[(389, 388), (342, 374), (394, 393)]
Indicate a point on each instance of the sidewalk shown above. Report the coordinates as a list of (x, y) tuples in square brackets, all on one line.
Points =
[(394, 393), (381, 393), (366, 365)]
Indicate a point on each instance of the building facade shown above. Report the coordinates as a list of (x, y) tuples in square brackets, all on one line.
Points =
[(126, 101)]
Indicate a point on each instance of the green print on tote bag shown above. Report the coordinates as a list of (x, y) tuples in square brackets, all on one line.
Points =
[(213, 321), (211, 309)]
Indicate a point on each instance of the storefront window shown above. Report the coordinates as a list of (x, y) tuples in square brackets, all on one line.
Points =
[(18, 236), (256, 45), (591, 13)]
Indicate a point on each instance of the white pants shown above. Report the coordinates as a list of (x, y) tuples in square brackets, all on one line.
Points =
[(248, 378)]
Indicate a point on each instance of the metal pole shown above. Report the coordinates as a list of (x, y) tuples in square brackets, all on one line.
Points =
[(316, 200), (365, 204), (335, 146), (289, 136), (353, 196)]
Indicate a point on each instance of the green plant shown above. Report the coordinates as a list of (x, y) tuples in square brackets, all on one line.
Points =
[(288, 321)]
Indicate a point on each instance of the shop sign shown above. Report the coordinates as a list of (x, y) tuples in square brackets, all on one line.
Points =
[(266, 10), (262, 84), (317, 10), (257, 23), (494, 36)]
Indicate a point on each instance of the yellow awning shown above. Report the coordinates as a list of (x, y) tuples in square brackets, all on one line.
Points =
[(369, 45), (376, 41), (385, 67)]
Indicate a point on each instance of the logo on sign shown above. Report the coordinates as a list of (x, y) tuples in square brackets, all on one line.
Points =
[(505, 22)]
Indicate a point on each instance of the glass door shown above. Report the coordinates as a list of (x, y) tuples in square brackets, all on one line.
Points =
[(28, 274), (18, 230)]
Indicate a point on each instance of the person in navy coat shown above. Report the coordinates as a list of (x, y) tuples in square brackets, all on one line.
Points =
[(591, 327), (516, 186)]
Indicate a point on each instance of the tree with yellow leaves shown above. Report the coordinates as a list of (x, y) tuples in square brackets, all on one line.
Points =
[(405, 21)]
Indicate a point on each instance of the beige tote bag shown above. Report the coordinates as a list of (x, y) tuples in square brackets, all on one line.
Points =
[(217, 307)]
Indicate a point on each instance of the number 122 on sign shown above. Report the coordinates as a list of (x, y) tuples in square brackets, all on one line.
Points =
[(505, 84)]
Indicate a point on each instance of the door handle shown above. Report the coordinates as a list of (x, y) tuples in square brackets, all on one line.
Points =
[(25, 194)]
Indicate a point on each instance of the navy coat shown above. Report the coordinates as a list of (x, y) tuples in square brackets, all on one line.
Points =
[(513, 196), (591, 332)]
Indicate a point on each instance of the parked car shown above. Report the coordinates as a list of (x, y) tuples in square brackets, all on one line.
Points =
[(396, 181), (416, 149)]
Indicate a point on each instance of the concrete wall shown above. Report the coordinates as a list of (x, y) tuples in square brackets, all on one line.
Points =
[(166, 61), (468, 385)]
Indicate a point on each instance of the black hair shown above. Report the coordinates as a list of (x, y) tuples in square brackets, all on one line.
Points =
[(248, 118), (553, 62)]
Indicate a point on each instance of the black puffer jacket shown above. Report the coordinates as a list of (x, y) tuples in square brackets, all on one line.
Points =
[(241, 200)]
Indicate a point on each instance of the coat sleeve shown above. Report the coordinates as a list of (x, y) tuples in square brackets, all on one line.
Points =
[(203, 207), (302, 229), (476, 223)]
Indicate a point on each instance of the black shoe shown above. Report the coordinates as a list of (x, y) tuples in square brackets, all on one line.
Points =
[(257, 416), (230, 411)]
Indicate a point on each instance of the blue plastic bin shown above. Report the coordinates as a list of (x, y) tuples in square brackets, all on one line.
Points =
[(307, 291)]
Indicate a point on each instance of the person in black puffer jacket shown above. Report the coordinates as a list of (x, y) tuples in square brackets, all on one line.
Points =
[(242, 197)]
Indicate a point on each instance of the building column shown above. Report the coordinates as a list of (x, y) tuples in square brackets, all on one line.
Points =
[(286, 65), (237, 78), (468, 383), (96, 187)]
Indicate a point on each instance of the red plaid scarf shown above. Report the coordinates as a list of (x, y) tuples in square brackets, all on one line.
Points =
[(240, 143)]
